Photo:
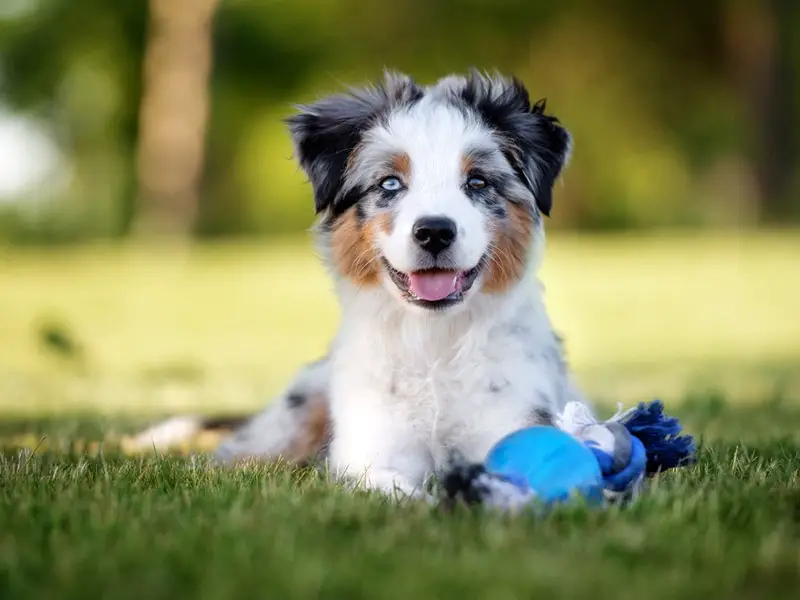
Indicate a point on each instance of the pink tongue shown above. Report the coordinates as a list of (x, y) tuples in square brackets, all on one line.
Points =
[(433, 286)]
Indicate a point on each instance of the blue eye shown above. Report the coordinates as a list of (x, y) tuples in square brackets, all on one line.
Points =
[(476, 183), (391, 184)]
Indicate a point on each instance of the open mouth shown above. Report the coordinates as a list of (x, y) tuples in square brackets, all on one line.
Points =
[(434, 288)]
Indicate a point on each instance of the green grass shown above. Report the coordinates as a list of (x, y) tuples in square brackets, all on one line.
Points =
[(97, 340), (101, 525)]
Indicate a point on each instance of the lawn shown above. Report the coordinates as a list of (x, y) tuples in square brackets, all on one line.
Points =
[(98, 340)]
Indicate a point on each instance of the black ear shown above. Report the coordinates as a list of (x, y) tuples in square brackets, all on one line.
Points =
[(552, 150), (327, 132), (535, 144)]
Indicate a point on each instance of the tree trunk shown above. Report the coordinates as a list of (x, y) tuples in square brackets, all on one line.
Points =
[(779, 137), (173, 115), (765, 68)]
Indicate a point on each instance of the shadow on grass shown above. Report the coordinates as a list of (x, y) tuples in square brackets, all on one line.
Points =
[(707, 416)]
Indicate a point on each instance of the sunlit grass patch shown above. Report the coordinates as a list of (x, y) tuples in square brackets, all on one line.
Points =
[(222, 326)]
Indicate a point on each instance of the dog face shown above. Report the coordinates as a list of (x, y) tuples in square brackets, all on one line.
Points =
[(434, 193)]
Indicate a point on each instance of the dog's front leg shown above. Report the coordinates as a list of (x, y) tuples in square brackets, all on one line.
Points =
[(387, 481), (393, 469), (375, 446)]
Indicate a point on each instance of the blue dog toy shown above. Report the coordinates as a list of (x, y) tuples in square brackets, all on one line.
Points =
[(600, 462)]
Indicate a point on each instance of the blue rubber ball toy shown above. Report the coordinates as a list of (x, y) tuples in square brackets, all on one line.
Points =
[(550, 462), (601, 462)]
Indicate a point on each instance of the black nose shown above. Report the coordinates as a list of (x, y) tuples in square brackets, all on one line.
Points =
[(434, 234)]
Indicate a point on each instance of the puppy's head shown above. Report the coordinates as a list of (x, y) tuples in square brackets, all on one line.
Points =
[(434, 192)]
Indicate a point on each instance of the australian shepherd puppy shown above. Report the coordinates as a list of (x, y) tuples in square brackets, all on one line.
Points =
[(430, 202)]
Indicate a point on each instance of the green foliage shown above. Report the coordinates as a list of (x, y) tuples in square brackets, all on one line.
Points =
[(667, 128)]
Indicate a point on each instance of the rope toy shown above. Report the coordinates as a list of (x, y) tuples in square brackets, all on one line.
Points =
[(601, 462)]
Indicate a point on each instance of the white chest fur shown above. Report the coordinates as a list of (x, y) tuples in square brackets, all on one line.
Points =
[(409, 388)]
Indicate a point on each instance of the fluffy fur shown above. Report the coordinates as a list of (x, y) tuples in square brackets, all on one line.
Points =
[(430, 204)]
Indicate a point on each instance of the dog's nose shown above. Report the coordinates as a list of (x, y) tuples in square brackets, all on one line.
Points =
[(434, 234)]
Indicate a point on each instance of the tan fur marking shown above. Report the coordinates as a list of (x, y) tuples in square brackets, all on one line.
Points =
[(510, 252), (315, 431), (384, 223), (467, 164), (354, 249), (402, 164)]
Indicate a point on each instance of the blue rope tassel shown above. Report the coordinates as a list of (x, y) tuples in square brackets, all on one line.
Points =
[(661, 437)]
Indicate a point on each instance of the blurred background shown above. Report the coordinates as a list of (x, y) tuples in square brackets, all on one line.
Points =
[(153, 245)]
